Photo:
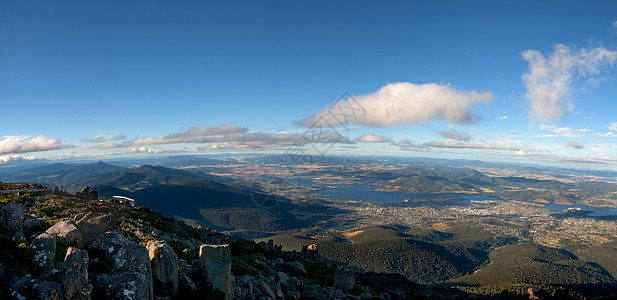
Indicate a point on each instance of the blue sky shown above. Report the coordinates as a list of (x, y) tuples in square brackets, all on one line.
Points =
[(527, 81)]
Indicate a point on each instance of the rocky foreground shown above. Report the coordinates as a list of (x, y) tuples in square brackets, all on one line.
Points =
[(60, 246)]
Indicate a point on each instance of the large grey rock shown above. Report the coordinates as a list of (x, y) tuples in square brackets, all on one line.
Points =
[(49, 290), (164, 263), (215, 265), (76, 285), (32, 225), (298, 266), (185, 282), (20, 286), (344, 279), (116, 254), (14, 215), (66, 231), (123, 286), (92, 225), (265, 289), (45, 251), (76, 259)]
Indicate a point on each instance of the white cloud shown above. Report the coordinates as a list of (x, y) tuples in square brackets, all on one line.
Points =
[(608, 134), (574, 144), (371, 138), (564, 131), (5, 159), (146, 150), (549, 80), (231, 136), (461, 145), (455, 135), (561, 158), (614, 26), (104, 138), (13, 144), (402, 103), (409, 145), (503, 117), (612, 126)]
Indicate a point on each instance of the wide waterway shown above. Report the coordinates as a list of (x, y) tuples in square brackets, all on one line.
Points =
[(364, 193)]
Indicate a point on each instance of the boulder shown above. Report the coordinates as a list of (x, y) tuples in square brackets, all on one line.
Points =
[(344, 279), (45, 251), (49, 290), (66, 231), (282, 277), (215, 265), (33, 225), (76, 285), (92, 225), (164, 263), (77, 259), (123, 285), (20, 287), (87, 194), (186, 283), (115, 254), (19, 237), (310, 252), (14, 215), (265, 289), (298, 266)]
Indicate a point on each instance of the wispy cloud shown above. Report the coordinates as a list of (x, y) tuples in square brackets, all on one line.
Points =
[(549, 80), (461, 145), (409, 145), (453, 134), (15, 144), (371, 138), (502, 117), (565, 131), (104, 138), (407, 103), (574, 144), (231, 136), (146, 150), (560, 158)]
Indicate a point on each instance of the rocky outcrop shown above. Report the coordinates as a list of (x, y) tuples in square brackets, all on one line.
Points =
[(91, 225), (310, 252), (215, 265), (19, 288), (75, 279), (185, 282), (164, 263), (14, 215), (87, 194), (344, 279), (122, 286), (118, 258), (49, 290), (77, 259), (45, 252), (66, 231), (75, 285)]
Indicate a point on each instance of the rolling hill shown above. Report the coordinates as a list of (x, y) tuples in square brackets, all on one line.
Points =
[(528, 263), (67, 175)]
